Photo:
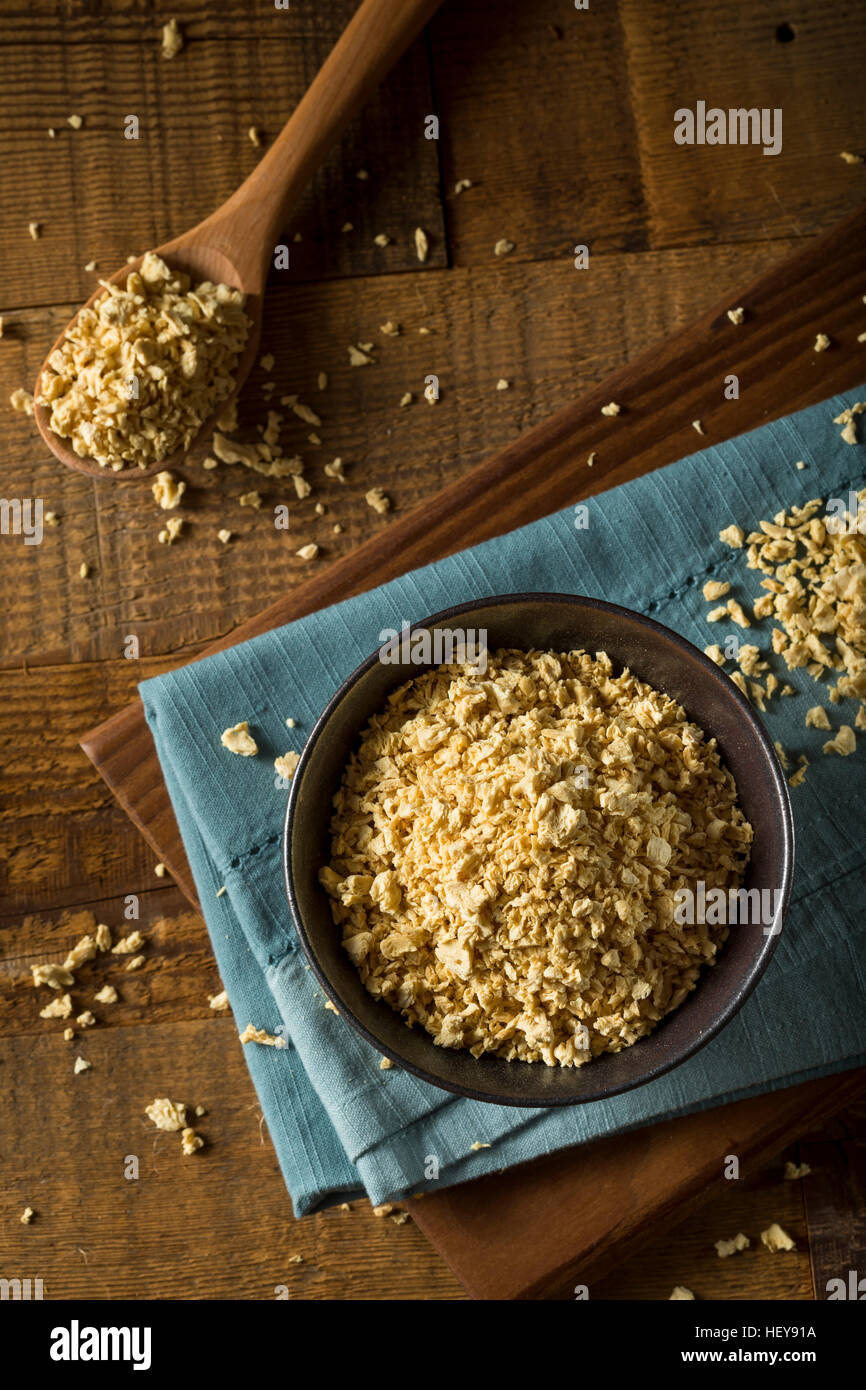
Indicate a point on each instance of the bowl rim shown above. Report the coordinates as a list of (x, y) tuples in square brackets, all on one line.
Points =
[(762, 957)]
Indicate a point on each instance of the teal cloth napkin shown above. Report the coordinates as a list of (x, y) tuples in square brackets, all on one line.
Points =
[(342, 1126)]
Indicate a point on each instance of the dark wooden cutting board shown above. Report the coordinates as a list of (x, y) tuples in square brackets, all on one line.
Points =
[(525, 1232)]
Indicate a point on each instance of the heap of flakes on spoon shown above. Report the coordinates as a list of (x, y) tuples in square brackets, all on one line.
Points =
[(141, 369)]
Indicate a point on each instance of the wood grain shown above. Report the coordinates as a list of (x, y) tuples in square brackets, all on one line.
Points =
[(98, 1234), (218, 1224), (173, 985), (595, 162), (834, 1198), (65, 839), (561, 119), (236, 244), (685, 1253), (99, 196)]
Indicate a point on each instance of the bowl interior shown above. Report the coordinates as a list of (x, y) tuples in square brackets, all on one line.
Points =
[(667, 662)]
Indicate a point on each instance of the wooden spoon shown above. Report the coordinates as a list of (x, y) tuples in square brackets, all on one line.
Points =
[(235, 245)]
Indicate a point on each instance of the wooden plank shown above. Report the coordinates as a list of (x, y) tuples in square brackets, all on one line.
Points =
[(173, 985), (218, 1224), (545, 469), (693, 192), (605, 171), (103, 1236), (557, 1236), (578, 327), (65, 840), (834, 1195), (595, 161), (71, 859), (850, 1123), (101, 196), (686, 1253), (548, 173), (73, 22)]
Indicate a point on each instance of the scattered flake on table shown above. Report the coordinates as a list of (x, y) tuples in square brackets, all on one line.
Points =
[(54, 976), (170, 532), (724, 1248), (794, 1171), (58, 1008), (83, 951), (358, 357), (376, 499), (190, 1141), (128, 944), (166, 1114), (776, 1239), (172, 39)]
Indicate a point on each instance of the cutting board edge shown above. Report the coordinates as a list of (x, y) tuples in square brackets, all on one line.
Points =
[(841, 1090)]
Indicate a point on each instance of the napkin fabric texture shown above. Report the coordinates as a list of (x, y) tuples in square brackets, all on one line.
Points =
[(342, 1126)]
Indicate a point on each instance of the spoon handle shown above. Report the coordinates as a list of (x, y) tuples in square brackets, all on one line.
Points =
[(248, 224)]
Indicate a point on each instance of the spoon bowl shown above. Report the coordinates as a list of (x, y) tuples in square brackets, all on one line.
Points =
[(200, 262)]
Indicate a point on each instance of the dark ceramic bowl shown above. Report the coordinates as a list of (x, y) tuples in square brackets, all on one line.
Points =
[(556, 622)]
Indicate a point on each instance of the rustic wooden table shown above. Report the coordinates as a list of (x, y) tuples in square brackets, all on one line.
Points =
[(562, 119)]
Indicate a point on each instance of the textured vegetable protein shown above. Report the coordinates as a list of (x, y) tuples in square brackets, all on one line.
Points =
[(507, 847), (143, 367)]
